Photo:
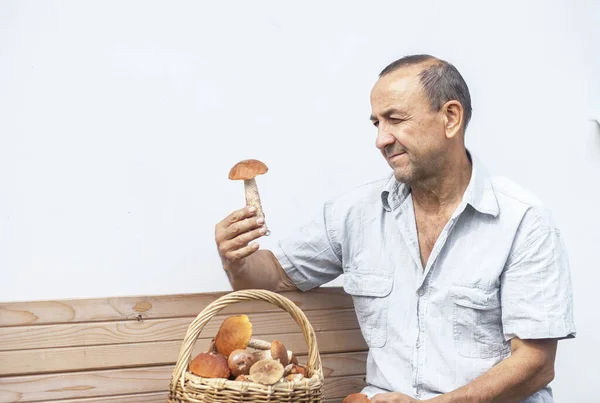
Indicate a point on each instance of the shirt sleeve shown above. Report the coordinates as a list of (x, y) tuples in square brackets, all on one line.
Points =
[(536, 290), (313, 256)]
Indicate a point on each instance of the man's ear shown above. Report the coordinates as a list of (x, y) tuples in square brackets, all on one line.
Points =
[(453, 118)]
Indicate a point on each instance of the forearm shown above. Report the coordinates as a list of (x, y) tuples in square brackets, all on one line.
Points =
[(261, 270), (512, 380)]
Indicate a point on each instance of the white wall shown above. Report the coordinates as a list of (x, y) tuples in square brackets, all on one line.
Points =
[(119, 122)]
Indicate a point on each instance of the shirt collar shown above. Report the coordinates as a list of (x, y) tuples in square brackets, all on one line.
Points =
[(479, 193)]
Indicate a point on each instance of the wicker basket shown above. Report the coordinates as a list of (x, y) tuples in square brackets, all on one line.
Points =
[(188, 387)]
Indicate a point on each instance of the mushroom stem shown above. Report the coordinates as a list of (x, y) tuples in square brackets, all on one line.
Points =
[(259, 344), (253, 199), (266, 355)]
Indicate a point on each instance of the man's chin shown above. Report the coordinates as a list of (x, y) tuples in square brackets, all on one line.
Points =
[(402, 175)]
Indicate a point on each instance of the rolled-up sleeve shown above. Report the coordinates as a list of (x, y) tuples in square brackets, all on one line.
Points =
[(536, 289), (312, 257)]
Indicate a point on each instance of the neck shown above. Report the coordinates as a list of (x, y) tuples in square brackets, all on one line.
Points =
[(439, 193)]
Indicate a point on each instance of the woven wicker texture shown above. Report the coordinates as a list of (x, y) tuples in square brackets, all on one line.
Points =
[(188, 387)]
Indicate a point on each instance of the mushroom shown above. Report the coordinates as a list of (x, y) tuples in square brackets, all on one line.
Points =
[(247, 170), (259, 344), (240, 361), (210, 365), (294, 377), (279, 352), (211, 347), (267, 372), (275, 350), (235, 333), (356, 398), (242, 378), (293, 369)]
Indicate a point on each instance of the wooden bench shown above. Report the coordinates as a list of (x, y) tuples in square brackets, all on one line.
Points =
[(123, 349)]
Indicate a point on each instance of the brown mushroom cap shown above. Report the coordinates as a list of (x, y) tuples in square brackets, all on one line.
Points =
[(356, 398), (298, 369), (235, 333), (210, 365), (247, 169), (240, 361), (279, 352)]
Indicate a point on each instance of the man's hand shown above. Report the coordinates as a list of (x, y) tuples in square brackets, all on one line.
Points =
[(233, 236), (246, 266), (394, 397)]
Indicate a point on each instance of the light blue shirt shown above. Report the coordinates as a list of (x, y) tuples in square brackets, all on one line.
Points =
[(498, 270)]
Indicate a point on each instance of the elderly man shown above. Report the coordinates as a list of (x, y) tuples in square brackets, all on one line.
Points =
[(460, 280)]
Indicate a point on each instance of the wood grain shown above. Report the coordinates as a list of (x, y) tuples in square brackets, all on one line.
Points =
[(116, 332), (21, 362), (333, 390), (154, 307), (157, 397), (134, 380)]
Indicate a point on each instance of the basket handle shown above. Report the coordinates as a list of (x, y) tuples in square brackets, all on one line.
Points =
[(314, 359)]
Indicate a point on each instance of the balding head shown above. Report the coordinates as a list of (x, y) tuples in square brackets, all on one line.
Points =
[(441, 82)]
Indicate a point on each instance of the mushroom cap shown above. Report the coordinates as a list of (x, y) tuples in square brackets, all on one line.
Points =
[(356, 398), (298, 369), (267, 372), (279, 352), (247, 169), (240, 361), (210, 365), (234, 334)]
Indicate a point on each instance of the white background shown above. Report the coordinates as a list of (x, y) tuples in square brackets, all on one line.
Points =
[(119, 122)]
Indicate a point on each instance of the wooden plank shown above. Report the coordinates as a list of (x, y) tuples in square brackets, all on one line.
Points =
[(22, 362), (342, 387), (342, 364), (156, 397), (153, 307), (134, 380), (333, 390), (115, 332)]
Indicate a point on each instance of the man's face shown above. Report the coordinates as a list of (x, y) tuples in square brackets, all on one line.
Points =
[(409, 136)]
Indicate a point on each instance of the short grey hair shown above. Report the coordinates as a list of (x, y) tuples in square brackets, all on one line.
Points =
[(441, 82)]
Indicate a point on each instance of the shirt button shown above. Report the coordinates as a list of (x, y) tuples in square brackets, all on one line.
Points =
[(421, 292)]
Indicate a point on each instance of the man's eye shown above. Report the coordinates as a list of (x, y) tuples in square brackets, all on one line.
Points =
[(396, 120), (375, 123)]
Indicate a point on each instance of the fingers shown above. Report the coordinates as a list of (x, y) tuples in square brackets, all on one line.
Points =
[(235, 233), (238, 215), (239, 254), (237, 223), (240, 247)]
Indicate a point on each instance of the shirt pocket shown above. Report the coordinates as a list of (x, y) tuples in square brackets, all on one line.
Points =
[(478, 322), (370, 294)]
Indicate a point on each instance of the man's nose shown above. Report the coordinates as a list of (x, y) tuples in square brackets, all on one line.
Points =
[(384, 138)]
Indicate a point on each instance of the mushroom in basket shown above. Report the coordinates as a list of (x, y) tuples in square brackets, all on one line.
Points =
[(266, 371), (210, 365), (228, 356)]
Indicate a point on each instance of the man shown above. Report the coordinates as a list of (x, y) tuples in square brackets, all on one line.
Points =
[(460, 281)]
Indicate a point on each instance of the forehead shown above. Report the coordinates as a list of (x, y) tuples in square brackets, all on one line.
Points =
[(400, 86)]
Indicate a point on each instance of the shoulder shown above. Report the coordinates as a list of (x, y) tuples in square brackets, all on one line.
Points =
[(513, 192), (534, 218)]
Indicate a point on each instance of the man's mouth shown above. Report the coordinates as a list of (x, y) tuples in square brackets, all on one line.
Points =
[(395, 155)]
